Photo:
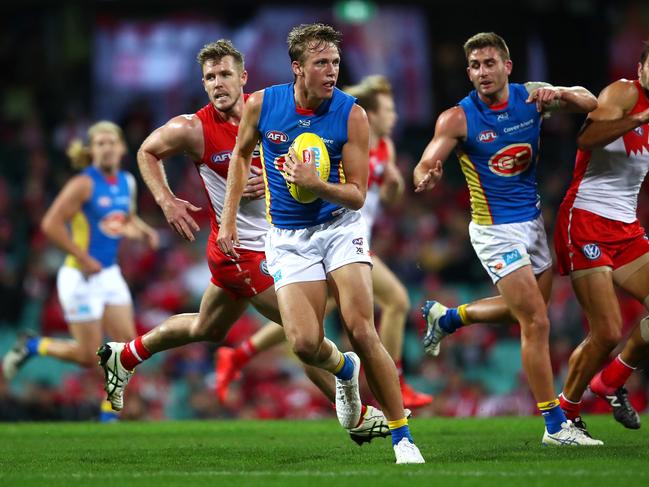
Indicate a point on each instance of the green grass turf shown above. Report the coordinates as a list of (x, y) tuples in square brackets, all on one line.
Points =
[(472, 452)]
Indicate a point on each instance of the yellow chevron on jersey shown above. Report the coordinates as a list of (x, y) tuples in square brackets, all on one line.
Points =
[(80, 229), (480, 212)]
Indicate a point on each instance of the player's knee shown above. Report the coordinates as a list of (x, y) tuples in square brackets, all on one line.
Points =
[(399, 301), (362, 335), (201, 331), (538, 328), (306, 348)]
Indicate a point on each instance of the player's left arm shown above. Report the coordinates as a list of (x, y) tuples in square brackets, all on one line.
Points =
[(393, 184), (238, 171), (548, 98), (355, 161), (136, 228)]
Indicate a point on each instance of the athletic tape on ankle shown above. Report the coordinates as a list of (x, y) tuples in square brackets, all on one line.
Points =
[(333, 361)]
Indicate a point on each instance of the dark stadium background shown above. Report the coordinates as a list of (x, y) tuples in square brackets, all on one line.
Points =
[(66, 64)]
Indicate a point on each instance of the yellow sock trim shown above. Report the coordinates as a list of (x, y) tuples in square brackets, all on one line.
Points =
[(341, 362), (106, 407), (393, 425), (544, 406), (43, 344), (461, 310)]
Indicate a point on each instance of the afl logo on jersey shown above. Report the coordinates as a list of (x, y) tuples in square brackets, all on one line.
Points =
[(112, 225), (104, 201), (220, 157), (276, 137), (487, 136), (511, 160)]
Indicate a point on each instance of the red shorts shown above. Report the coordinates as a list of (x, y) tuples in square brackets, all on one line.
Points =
[(583, 240), (244, 277)]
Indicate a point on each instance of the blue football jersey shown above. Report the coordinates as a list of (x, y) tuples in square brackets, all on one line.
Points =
[(280, 123), (499, 157), (97, 227)]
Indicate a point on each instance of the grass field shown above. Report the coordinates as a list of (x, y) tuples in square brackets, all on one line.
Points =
[(484, 452)]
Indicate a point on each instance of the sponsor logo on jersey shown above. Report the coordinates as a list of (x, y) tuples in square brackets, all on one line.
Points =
[(276, 137), (358, 241), (487, 136), (519, 126), (263, 267), (304, 123), (591, 251), (112, 224), (511, 160), (221, 157), (104, 201), (502, 117)]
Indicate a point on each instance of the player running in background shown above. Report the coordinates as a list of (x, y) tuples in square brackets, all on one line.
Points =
[(320, 244), (88, 219), (208, 137), (601, 244), (495, 133), (385, 185)]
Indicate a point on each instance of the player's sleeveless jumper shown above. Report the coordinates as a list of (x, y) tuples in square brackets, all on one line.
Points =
[(606, 181), (280, 123), (98, 225), (220, 137), (499, 157)]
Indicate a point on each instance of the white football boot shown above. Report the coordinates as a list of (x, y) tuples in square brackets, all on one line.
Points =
[(432, 311), (348, 398), (407, 452), (116, 376), (569, 435)]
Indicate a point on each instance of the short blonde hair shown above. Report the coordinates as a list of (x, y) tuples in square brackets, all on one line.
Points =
[(487, 39), (79, 154), (368, 90), (301, 38), (215, 51)]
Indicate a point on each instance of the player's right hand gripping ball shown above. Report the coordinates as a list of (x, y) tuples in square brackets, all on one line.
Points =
[(308, 145)]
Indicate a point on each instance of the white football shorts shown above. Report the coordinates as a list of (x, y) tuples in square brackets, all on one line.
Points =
[(309, 254), (509, 246), (84, 298)]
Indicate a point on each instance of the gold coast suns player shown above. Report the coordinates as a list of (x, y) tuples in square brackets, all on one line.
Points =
[(495, 131), (321, 244), (87, 220), (208, 137)]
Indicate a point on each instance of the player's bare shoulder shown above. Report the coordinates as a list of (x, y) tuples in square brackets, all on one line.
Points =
[(452, 123), (621, 93)]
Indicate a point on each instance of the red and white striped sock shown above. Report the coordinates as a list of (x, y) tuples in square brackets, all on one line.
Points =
[(134, 353), (616, 373)]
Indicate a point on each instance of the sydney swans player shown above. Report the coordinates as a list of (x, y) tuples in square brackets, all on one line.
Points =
[(601, 244)]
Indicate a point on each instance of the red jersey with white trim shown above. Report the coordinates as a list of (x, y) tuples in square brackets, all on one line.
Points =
[(379, 159), (220, 137), (606, 181)]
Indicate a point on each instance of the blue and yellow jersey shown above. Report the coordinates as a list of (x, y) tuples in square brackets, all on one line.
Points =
[(97, 228), (499, 157), (280, 123)]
